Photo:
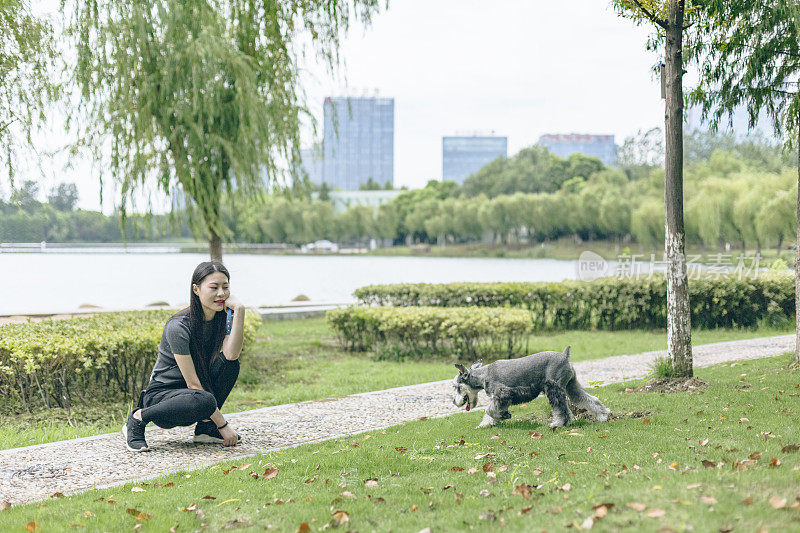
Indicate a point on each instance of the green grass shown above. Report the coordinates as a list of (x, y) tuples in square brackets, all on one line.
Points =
[(650, 456), (298, 360)]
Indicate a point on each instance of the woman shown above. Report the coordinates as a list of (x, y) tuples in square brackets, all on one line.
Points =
[(197, 365)]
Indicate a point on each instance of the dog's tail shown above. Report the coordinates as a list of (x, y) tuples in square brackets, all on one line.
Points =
[(566, 352)]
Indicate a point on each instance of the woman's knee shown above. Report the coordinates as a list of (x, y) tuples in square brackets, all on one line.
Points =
[(205, 402)]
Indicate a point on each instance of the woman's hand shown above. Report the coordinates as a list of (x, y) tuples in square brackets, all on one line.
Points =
[(229, 436), (233, 303)]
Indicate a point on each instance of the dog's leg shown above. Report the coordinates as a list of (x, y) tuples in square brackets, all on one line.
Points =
[(557, 397), (487, 421), (584, 400)]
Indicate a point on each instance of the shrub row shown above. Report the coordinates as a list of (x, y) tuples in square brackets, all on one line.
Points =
[(59, 362), (463, 331), (608, 303)]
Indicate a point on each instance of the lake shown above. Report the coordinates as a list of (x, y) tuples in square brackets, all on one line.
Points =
[(62, 281)]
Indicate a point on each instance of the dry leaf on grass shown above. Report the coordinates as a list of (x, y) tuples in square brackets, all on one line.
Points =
[(339, 518), (270, 473), (710, 500), (777, 502), (33, 526), (656, 513)]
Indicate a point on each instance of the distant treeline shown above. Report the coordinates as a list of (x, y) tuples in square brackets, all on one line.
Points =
[(743, 194)]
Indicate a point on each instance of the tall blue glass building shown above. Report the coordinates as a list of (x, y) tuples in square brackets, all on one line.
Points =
[(358, 141), (463, 156), (564, 145)]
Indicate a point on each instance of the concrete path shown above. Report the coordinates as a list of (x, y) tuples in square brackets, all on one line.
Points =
[(36, 472)]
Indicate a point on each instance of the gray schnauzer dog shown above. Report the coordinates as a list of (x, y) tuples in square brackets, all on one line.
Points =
[(514, 381)]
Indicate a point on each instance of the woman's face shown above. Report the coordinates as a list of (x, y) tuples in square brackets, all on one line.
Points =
[(213, 290)]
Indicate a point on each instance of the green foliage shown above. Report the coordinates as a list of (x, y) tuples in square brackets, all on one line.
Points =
[(27, 84), (61, 362), (63, 197), (532, 170), (662, 367), (395, 332), (606, 303), (750, 52), (201, 95)]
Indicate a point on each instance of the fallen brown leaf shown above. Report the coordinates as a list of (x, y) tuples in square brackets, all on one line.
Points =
[(656, 513), (33, 526), (755, 456), (790, 448), (747, 500), (535, 434), (774, 462), (710, 500), (488, 467), (485, 493), (303, 528), (457, 469), (588, 523), (645, 420), (57, 495), (637, 506), (207, 497), (523, 490), (347, 494), (491, 478), (400, 448), (137, 489), (5, 504), (373, 482), (270, 473), (339, 518), (472, 470), (709, 464), (777, 502)]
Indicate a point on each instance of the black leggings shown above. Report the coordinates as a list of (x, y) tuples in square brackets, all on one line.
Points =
[(168, 408)]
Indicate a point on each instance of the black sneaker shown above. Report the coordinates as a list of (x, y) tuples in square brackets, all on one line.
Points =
[(133, 431), (207, 433)]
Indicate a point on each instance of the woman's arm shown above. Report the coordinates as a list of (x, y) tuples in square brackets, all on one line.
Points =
[(232, 345)]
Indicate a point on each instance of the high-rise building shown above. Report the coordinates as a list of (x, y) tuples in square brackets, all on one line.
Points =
[(463, 156), (564, 145), (358, 141), (311, 163)]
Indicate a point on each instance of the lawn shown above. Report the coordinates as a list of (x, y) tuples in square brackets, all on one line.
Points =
[(298, 360), (720, 459)]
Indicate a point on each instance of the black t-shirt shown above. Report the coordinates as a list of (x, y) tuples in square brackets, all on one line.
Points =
[(174, 340)]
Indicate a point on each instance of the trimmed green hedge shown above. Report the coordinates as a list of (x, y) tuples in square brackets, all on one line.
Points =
[(59, 362), (607, 303), (420, 331)]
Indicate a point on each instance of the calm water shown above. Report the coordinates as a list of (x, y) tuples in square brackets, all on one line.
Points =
[(61, 282)]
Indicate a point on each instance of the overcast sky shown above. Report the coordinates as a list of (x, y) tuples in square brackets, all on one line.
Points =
[(518, 68)]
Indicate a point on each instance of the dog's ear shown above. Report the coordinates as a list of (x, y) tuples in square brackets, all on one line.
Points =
[(566, 352), (461, 368), (477, 364)]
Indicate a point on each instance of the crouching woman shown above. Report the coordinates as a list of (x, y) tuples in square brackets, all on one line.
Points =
[(197, 365)]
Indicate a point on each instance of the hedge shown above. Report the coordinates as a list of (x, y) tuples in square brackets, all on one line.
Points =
[(421, 331), (608, 303), (59, 362)]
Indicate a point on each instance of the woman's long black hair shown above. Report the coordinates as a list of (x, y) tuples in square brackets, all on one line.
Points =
[(203, 354)]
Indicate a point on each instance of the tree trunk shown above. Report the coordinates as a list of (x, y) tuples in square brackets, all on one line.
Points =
[(780, 244), (679, 332), (214, 245), (797, 266)]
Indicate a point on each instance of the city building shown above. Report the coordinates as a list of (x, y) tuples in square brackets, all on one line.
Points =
[(463, 156), (311, 163), (566, 144), (358, 141)]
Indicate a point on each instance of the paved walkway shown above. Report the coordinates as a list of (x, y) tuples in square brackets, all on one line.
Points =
[(36, 472)]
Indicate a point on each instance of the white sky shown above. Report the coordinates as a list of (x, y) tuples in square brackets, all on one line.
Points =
[(518, 68)]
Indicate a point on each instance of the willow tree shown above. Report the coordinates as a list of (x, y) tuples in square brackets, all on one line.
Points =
[(751, 59), (203, 94), (671, 18), (27, 57)]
